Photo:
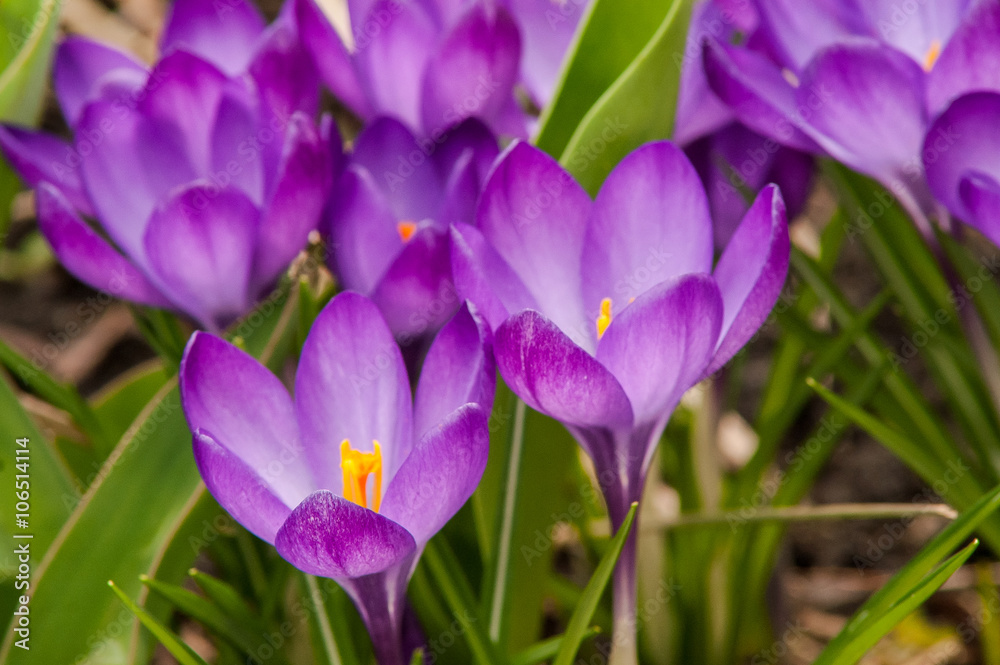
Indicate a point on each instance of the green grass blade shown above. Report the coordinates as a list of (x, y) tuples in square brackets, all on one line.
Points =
[(241, 634), (609, 38), (637, 108), (504, 540), (59, 395), (579, 622), (144, 493), (446, 572), (867, 627), (546, 649), (184, 654)]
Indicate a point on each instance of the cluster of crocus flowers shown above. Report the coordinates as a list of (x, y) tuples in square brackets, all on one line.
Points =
[(393, 206), (352, 477), (605, 312), (206, 172), (862, 83)]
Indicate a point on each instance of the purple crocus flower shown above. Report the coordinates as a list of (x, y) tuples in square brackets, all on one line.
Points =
[(206, 183), (962, 158), (389, 219), (427, 63), (859, 81), (731, 158), (605, 312), (351, 478)]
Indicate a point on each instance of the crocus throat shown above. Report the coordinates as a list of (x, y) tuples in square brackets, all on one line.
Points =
[(406, 229), (932, 55), (604, 318), (357, 466)]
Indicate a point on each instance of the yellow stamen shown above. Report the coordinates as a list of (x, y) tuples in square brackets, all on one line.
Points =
[(604, 318), (357, 466), (932, 55), (406, 229)]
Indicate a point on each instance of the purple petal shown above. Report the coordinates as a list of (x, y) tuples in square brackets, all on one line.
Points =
[(200, 243), (754, 88), (440, 474), (362, 230), (981, 196), (330, 57), (89, 256), (128, 165), (240, 490), (352, 384), (222, 32), (660, 345), (914, 29), (284, 72), (391, 62), (416, 294), (79, 66), (797, 30), (329, 536), (970, 61), (483, 277), (296, 205), (534, 214), (473, 71), (184, 91), (751, 273), (699, 111), (234, 159), (963, 139), (546, 32), (461, 194), (401, 168), (470, 137), (866, 103), (649, 224), (246, 410), (555, 376), (42, 158), (459, 369)]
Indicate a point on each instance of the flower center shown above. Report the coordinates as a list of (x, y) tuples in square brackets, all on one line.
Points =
[(932, 55), (357, 466), (604, 318), (406, 229)]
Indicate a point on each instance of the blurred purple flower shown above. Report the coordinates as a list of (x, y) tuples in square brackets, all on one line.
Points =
[(605, 312), (962, 158), (732, 160), (859, 81), (433, 63), (206, 171), (352, 477), (389, 219)]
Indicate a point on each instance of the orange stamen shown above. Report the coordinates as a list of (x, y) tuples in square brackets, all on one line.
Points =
[(406, 229), (357, 466), (604, 318), (932, 55)]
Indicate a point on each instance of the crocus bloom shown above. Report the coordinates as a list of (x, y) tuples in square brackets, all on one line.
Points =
[(731, 158), (389, 219), (206, 184), (351, 478), (962, 158), (860, 81), (605, 312), (429, 64)]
